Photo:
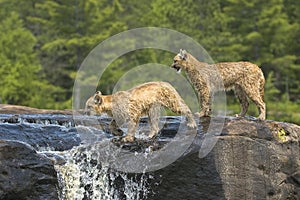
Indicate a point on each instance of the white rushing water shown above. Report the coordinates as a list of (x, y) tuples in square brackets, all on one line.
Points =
[(98, 168), (83, 176), (85, 172)]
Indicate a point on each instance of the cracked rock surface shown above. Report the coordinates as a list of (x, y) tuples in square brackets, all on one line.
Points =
[(251, 159)]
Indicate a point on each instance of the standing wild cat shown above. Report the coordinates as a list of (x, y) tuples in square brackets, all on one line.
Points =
[(245, 78)]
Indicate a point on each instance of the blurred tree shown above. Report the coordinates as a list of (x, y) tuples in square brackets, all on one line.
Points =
[(60, 34), (271, 92), (68, 32), (19, 67), (266, 34)]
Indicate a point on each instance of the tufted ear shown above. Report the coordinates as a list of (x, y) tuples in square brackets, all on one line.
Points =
[(183, 54), (98, 98)]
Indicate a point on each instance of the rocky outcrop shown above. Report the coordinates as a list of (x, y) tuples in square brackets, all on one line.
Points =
[(250, 160), (25, 174), (41, 137)]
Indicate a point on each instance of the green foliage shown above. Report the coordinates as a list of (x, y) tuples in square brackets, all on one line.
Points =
[(271, 92), (43, 43), (19, 67), (70, 31)]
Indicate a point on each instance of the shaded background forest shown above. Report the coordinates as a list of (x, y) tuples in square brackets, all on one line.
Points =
[(44, 42)]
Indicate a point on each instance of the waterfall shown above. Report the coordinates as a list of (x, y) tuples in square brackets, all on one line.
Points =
[(89, 163), (83, 176), (89, 170)]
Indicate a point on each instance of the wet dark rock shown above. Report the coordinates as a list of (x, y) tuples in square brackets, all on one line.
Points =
[(52, 132), (251, 159), (25, 174), (50, 137)]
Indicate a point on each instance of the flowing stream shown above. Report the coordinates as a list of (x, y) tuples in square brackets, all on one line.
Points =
[(84, 169), (83, 176), (90, 163)]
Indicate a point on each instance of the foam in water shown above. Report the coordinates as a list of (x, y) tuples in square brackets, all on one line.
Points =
[(82, 171), (101, 169), (83, 176)]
